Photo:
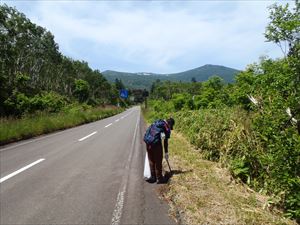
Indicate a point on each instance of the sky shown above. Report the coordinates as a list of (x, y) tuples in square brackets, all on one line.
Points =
[(156, 36)]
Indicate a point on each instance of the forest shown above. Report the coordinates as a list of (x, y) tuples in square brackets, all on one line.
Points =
[(36, 76), (251, 126)]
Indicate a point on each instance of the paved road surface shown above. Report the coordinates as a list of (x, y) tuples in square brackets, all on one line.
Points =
[(91, 174)]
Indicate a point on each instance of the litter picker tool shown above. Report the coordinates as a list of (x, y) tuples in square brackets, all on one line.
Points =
[(169, 165)]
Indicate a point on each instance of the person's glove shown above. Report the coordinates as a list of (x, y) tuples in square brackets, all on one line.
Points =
[(167, 156)]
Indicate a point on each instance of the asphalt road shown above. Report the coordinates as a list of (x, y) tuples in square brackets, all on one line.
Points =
[(91, 174)]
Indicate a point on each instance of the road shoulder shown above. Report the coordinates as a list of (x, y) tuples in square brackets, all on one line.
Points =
[(156, 210)]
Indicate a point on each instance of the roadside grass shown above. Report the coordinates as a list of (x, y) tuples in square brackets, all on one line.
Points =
[(202, 192), (42, 123)]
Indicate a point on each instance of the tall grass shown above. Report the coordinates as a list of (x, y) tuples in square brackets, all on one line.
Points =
[(257, 152), (29, 126), (203, 193)]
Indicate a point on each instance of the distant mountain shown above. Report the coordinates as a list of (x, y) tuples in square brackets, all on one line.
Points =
[(144, 80), (204, 72), (135, 80)]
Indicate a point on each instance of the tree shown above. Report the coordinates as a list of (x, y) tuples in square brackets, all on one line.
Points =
[(82, 89), (31, 64), (214, 82), (284, 27), (284, 30), (119, 84)]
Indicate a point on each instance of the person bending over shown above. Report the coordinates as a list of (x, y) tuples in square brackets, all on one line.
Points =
[(160, 129)]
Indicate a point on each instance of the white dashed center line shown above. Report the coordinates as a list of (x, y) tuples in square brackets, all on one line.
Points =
[(20, 170), (108, 125), (81, 139)]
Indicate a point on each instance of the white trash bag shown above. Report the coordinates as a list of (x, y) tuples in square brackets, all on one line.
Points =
[(147, 173)]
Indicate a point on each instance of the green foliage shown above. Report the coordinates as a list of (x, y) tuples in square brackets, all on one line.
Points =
[(31, 64), (254, 148), (17, 103), (256, 140), (240, 169), (284, 25), (20, 104), (178, 101), (81, 90), (212, 129), (211, 93), (47, 101), (119, 84)]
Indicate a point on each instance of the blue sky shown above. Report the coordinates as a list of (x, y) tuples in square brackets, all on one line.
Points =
[(156, 36)]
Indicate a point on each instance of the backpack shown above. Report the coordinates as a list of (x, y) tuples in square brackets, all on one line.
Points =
[(152, 135)]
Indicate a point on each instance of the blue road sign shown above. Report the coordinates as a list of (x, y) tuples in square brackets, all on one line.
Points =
[(123, 93)]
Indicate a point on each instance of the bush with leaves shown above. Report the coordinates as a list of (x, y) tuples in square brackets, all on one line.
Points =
[(47, 101)]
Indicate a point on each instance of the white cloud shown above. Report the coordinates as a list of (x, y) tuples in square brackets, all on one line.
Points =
[(152, 36)]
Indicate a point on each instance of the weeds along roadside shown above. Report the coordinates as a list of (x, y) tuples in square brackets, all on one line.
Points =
[(227, 135), (42, 123), (202, 192)]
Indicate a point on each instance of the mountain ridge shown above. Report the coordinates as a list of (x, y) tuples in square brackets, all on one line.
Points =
[(144, 80)]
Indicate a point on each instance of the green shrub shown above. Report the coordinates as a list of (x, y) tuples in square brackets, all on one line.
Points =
[(20, 104), (47, 101), (256, 147), (178, 101), (16, 104)]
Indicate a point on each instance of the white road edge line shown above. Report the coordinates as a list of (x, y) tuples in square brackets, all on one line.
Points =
[(117, 120), (119, 207), (81, 139), (117, 214), (20, 170), (108, 125)]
